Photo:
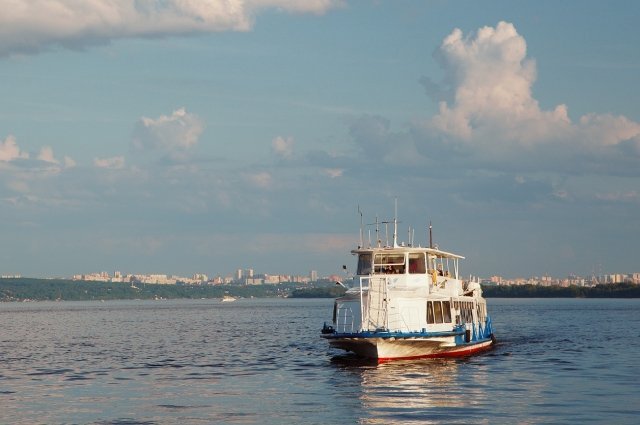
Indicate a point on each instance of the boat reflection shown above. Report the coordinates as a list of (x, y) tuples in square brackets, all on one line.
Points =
[(425, 391)]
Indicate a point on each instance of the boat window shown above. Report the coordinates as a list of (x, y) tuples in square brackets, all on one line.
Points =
[(389, 263), (364, 264), (437, 311), (417, 263), (432, 263), (446, 311), (430, 312), (469, 311), (465, 312)]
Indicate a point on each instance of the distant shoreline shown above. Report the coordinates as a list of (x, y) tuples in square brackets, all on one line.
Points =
[(611, 290), (619, 290), (28, 289)]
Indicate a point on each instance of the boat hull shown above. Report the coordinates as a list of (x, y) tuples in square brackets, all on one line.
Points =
[(388, 349)]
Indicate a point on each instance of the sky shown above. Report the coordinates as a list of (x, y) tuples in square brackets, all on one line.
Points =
[(203, 136)]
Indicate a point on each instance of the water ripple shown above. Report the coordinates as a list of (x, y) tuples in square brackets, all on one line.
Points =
[(263, 362)]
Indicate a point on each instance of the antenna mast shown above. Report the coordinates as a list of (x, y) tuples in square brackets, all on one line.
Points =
[(430, 236), (395, 225), (361, 235)]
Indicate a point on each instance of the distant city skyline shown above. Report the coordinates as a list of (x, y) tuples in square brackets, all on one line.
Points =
[(250, 277), (197, 136)]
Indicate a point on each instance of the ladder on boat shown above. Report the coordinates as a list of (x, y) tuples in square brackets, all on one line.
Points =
[(377, 315)]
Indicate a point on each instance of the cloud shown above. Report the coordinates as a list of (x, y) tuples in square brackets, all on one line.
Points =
[(262, 180), (490, 114), (29, 26), (46, 155), (69, 162), (333, 172), (295, 6), (9, 150), (179, 131), (377, 142), (19, 186), (282, 147), (629, 196), (114, 163)]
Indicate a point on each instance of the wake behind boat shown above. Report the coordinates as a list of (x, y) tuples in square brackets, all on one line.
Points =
[(408, 302)]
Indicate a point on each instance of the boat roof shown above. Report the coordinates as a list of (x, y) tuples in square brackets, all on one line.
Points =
[(402, 249)]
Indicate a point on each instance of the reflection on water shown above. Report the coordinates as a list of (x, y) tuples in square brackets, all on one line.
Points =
[(422, 391)]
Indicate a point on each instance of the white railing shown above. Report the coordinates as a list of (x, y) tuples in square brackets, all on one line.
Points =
[(346, 324)]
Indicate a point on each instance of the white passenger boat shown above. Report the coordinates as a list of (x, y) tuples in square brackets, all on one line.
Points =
[(228, 299), (409, 302)]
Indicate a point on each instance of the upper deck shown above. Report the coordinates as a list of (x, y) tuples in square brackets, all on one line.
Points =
[(402, 260)]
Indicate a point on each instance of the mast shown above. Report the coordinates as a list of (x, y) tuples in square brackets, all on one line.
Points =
[(430, 236), (395, 225), (361, 234)]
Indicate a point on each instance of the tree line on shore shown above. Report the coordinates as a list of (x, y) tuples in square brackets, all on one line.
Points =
[(617, 290), (620, 290), (25, 289), (22, 289)]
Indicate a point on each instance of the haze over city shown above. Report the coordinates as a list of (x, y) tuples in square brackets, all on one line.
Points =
[(179, 137)]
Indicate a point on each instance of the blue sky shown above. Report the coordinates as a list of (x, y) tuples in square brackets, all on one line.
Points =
[(204, 136)]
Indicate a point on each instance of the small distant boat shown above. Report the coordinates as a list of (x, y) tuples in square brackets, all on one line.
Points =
[(409, 302), (228, 299)]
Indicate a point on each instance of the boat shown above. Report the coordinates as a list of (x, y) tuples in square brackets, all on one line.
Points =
[(228, 299), (409, 302)]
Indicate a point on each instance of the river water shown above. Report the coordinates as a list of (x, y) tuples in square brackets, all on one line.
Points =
[(261, 361)]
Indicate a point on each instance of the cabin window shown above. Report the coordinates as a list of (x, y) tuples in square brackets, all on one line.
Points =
[(389, 263), (430, 312), (417, 263), (467, 311), (437, 311), (446, 311), (364, 264)]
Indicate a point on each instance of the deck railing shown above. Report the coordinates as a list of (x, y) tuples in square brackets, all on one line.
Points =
[(344, 320)]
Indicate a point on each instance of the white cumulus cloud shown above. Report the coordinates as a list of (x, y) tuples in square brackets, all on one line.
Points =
[(9, 150), (491, 110), (179, 131), (46, 155), (283, 147), (33, 25)]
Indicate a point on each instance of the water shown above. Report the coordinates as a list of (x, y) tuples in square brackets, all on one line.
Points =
[(569, 361)]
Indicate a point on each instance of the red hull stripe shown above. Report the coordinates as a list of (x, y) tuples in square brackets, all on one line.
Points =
[(458, 353)]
